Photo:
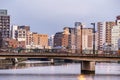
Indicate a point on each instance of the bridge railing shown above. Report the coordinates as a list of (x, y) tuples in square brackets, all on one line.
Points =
[(57, 52)]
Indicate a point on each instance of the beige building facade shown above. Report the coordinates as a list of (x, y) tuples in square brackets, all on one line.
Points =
[(104, 33), (35, 40)]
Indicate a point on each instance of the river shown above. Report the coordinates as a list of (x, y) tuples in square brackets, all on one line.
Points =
[(66, 71)]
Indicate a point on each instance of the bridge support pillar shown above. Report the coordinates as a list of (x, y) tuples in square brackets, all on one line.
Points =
[(87, 67)]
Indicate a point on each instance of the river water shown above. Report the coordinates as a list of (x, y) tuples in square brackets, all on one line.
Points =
[(66, 71)]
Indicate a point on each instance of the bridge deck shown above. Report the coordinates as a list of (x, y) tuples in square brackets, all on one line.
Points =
[(83, 57)]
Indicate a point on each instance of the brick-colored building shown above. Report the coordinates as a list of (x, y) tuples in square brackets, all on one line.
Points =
[(35, 40), (10, 43), (61, 39), (72, 40), (104, 33), (40, 40), (58, 39)]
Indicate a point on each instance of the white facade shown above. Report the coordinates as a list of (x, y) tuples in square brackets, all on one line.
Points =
[(101, 34), (115, 37), (34, 46), (14, 33), (51, 41), (21, 35), (18, 33)]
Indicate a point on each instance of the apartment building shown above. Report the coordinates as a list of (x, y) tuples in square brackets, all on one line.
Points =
[(4, 24), (75, 39), (115, 39), (87, 38), (40, 40), (104, 33), (19, 32)]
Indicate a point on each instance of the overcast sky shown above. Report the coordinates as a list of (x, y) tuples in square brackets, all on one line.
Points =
[(50, 16)]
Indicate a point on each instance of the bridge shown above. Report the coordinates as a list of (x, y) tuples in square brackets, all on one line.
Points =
[(71, 56), (87, 60)]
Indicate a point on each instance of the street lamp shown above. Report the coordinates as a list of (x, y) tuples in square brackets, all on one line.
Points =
[(93, 37)]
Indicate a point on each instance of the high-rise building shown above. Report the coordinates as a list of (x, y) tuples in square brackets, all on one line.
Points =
[(4, 24), (74, 39), (14, 31), (87, 38), (104, 33), (71, 40), (115, 39), (78, 37), (65, 38), (109, 26)]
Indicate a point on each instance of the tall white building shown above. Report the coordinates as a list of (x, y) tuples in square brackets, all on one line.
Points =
[(14, 32), (101, 34), (116, 35)]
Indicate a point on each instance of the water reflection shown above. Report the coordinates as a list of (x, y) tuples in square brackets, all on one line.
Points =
[(22, 65), (81, 77), (38, 68), (98, 77), (107, 68), (46, 71)]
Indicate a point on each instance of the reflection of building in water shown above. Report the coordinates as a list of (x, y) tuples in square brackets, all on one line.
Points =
[(107, 68), (22, 65)]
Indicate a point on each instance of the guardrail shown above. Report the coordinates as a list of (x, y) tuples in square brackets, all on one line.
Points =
[(61, 54)]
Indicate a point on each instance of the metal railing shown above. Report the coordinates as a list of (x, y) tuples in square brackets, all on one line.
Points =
[(54, 52)]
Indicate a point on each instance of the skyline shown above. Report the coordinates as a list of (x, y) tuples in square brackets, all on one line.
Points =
[(50, 16)]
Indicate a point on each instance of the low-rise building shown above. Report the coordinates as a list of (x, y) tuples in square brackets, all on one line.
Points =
[(35, 40), (10, 43)]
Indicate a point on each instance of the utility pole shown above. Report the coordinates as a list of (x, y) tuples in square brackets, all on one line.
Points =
[(93, 37)]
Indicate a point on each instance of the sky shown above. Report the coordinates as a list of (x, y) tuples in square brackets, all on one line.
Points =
[(51, 16)]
